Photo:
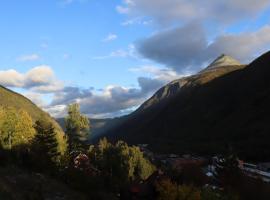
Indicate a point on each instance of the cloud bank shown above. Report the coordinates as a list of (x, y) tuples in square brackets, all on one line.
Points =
[(40, 78), (188, 47), (113, 100), (167, 11), (41, 82)]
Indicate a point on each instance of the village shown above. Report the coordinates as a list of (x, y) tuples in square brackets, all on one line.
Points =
[(207, 164)]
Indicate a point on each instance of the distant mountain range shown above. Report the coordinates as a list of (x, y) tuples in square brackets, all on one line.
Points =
[(224, 107), (98, 126)]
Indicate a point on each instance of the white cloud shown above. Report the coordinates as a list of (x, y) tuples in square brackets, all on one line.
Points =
[(11, 78), (130, 52), (244, 46), (31, 57), (57, 111), (44, 89), (164, 11), (137, 20), (162, 74), (110, 38), (187, 47), (40, 78), (114, 100), (36, 98), (122, 10)]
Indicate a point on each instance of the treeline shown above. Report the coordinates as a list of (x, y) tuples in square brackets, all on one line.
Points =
[(111, 170), (33, 145), (100, 171)]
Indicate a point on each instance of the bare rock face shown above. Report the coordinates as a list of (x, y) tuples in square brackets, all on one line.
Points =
[(223, 61)]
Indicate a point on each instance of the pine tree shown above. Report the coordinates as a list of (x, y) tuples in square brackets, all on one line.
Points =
[(77, 128), (46, 144)]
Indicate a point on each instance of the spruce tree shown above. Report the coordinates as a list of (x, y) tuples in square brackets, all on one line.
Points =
[(46, 144)]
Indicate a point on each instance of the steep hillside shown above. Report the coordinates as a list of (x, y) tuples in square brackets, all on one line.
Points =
[(13, 99), (222, 65), (212, 112), (10, 98), (97, 126)]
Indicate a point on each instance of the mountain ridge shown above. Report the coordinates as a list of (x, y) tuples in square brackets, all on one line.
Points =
[(220, 66), (228, 109), (221, 61)]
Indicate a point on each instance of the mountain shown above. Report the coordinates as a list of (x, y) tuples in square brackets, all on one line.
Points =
[(97, 126), (13, 99), (222, 65), (221, 61), (207, 113)]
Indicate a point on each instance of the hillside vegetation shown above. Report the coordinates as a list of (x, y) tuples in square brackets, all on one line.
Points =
[(14, 100)]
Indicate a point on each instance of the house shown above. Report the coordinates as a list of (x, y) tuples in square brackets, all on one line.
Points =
[(144, 189)]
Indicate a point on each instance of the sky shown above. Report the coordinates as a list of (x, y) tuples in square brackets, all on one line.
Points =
[(111, 55)]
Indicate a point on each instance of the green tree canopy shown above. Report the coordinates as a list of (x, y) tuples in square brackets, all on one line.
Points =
[(16, 128), (77, 127), (46, 145), (121, 162)]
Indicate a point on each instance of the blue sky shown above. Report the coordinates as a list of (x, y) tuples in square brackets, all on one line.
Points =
[(110, 56), (75, 30)]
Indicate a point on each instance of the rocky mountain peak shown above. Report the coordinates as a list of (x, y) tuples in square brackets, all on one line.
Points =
[(222, 61)]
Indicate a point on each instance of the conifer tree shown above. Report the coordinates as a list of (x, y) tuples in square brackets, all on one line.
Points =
[(46, 143), (77, 128)]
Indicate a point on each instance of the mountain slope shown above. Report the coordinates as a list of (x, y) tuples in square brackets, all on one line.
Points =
[(209, 115), (13, 99), (97, 126), (221, 61), (10, 98), (222, 65)]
